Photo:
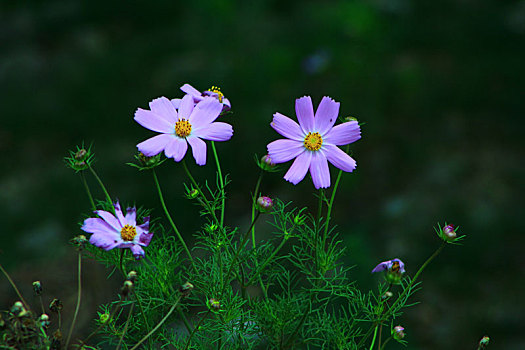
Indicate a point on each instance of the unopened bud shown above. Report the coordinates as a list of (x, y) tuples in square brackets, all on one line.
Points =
[(132, 276), (126, 288), (81, 154), (17, 308), (398, 333), (103, 318), (80, 241), (186, 289), (387, 295), (37, 288), (193, 193), (214, 304), (55, 305), (264, 204), (484, 342), (44, 320), (450, 232), (350, 119), (266, 163)]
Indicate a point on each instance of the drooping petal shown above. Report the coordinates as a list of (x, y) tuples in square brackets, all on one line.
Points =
[(326, 115), (343, 134), (154, 145), (216, 131), (176, 149), (305, 113), (110, 219), (226, 105), (99, 226), (163, 107), (137, 251), (119, 214), (198, 148), (153, 121), (287, 127), (283, 150), (131, 216), (319, 170), (381, 267), (104, 241), (190, 90), (299, 168), (145, 225), (186, 107), (145, 238), (205, 112), (338, 158)]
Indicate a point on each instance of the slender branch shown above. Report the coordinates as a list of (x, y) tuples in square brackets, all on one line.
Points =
[(201, 193), (195, 329), (332, 197), (161, 197), (26, 305), (254, 200), (125, 326), (221, 181), (108, 197), (79, 297), (374, 337), (86, 186), (261, 268)]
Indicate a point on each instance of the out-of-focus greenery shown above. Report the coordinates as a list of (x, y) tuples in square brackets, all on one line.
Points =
[(438, 86)]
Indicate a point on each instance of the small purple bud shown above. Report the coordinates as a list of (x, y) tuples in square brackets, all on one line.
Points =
[(81, 154), (398, 333), (450, 232), (264, 204)]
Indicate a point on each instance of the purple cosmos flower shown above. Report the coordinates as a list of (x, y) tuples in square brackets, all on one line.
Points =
[(313, 142), (214, 92), (394, 265), (190, 124), (109, 231)]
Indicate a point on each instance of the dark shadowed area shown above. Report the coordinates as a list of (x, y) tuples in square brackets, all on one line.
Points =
[(438, 87)]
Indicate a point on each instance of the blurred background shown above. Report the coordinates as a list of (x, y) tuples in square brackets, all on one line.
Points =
[(437, 85)]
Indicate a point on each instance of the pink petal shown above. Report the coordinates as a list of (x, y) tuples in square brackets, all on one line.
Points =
[(153, 121), (110, 219), (163, 107), (138, 252), (217, 131), (326, 115), (305, 113), (319, 171), (97, 225), (190, 90), (343, 134), (176, 102), (186, 107), (198, 148), (131, 216), (283, 150), (105, 241), (205, 112), (176, 149), (287, 127), (299, 168), (118, 213), (145, 239), (154, 145), (338, 158)]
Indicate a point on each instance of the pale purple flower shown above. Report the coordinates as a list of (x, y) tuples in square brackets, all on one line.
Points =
[(110, 231), (189, 124), (198, 96), (394, 265), (313, 142)]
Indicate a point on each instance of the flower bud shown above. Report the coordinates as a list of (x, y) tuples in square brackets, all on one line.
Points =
[(104, 318), (186, 289), (132, 276), (37, 288), (81, 154), (398, 332), (266, 163), (55, 305), (80, 159), (80, 241), (126, 288), (350, 119), (484, 342), (388, 294), (44, 320), (264, 204), (18, 308), (450, 232), (193, 193), (214, 304)]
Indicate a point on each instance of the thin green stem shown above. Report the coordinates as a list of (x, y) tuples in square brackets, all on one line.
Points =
[(158, 325), (161, 197), (195, 329), (108, 197), (332, 197), (300, 324), (386, 342), (139, 303), (26, 305), (201, 193), (116, 308), (86, 186), (221, 180), (184, 320), (374, 337), (261, 268), (79, 297), (254, 200), (125, 326), (320, 205)]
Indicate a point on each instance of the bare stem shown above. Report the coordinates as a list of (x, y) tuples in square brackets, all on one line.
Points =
[(125, 326), (79, 297), (26, 305)]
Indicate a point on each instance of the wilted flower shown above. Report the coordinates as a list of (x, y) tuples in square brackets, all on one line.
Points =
[(111, 231), (313, 142), (189, 124), (394, 268), (264, 204), (214, 92)]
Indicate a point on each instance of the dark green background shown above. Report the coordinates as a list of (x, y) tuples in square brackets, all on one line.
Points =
[(437, 84)]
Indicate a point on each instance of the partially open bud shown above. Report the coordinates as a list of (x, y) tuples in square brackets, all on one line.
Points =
[(394, 268), (214, 304), (126, 288), (484, 342), (185, 289), (264, 204), (266, 163), (132, 276), (398, 333), (450, 232), (44, 320), (55, 305), (37, 288)]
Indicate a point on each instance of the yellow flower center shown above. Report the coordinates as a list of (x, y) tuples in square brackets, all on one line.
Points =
[(128, 232), (217, 90), (182, 128), (313, 141)]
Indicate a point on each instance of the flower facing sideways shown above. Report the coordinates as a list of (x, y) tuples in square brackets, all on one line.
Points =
[(214, 92), (394, 268), (189, 124), (110, 231), (313, 142)]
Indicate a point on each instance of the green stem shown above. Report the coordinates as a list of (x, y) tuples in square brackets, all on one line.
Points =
[(301, 322), (125, 326), (161, 197), (26, 305), (86, 186), (201, 193), (108, 197), (185, 320), (261, 268), (158, 325), (221, 181), (332, 197), (374, 337), (195, 329), (139, 303), (386, 342), (79, 297), (254, 200), (320, 205)]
